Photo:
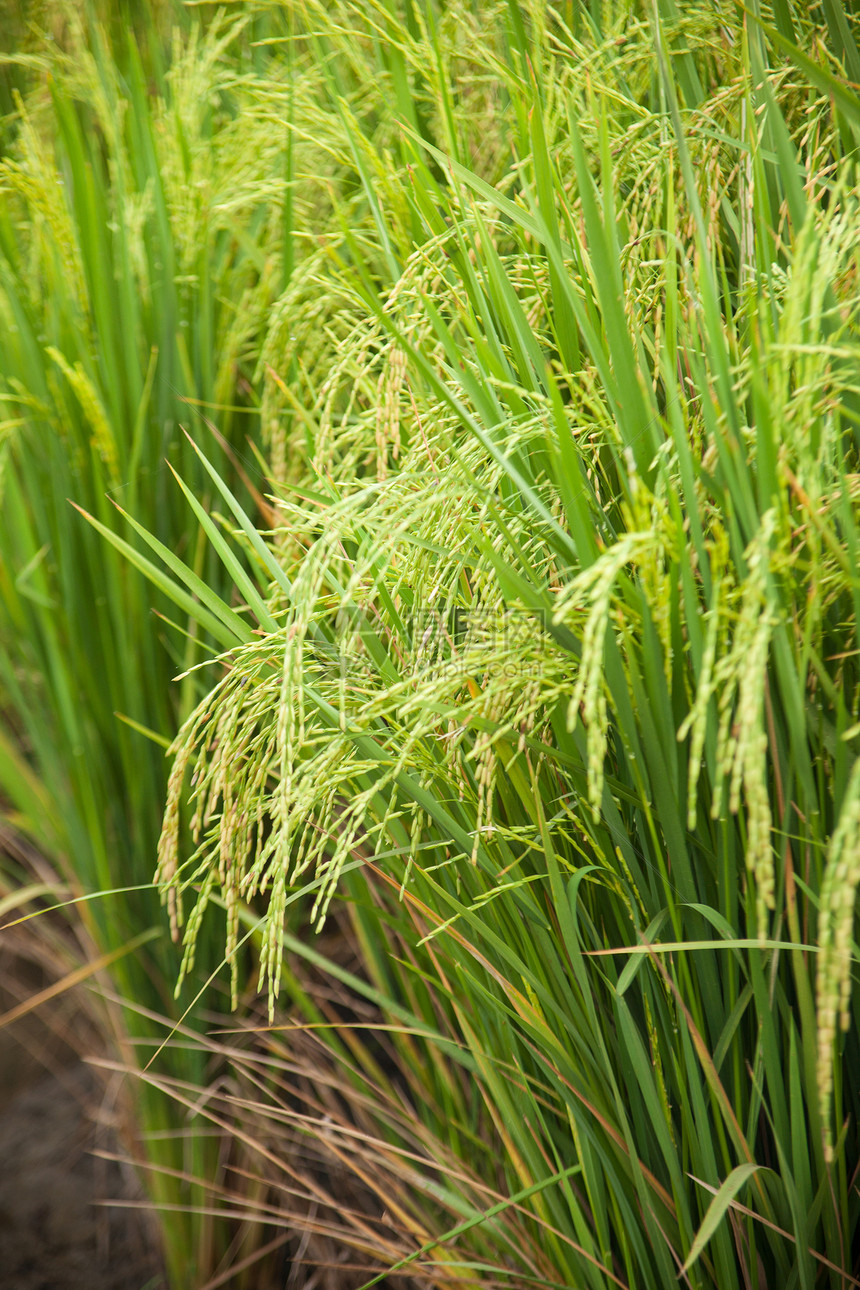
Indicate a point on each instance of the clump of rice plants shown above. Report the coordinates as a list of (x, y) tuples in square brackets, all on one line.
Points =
[(548, 663)]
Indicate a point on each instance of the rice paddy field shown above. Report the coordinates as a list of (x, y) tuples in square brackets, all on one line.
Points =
[(429, 647)]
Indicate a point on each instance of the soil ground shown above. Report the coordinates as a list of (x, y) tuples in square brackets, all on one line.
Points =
[(55, 1231)]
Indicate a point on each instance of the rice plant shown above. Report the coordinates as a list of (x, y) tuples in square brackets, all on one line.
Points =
[(547, 662)]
